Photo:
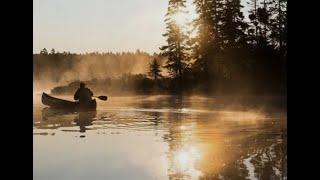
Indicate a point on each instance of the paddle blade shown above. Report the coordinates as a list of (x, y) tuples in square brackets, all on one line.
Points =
[(104, 98)]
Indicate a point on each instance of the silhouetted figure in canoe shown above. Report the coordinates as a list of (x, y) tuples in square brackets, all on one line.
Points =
[(83, 94)]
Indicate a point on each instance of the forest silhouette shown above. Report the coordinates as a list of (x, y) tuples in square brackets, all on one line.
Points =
[(229, 52)]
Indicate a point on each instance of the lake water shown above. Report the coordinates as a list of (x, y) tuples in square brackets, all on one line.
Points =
[(162, 137)]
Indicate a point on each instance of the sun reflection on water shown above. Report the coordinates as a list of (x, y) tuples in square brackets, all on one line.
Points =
[(191, 141), (185, 162)]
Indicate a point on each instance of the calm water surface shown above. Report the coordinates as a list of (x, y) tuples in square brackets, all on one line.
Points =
[(161, 137)]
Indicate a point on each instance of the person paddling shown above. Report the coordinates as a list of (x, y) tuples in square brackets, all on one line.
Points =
[(83, 94)]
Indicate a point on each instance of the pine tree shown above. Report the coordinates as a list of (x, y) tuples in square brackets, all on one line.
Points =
[(53, 51), (253, 29), (176, 48), (233, 25), (279, 25), (154, 69), (263, 16), (208, 42), (44, 51), (234, 47)]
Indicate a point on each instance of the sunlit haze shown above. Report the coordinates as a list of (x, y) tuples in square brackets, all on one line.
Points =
[(85, 26), (159, 89)]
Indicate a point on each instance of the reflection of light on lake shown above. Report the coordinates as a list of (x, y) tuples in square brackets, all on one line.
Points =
[(184, 110), (189, 141), (241, 116), (185, 161)]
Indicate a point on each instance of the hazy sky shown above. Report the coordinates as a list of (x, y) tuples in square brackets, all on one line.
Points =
[(98, 25)]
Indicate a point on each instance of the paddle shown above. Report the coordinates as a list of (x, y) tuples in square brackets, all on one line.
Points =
[(103, 98)]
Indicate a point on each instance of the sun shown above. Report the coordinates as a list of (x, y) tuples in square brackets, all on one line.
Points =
[(180, 18), (183, 17)]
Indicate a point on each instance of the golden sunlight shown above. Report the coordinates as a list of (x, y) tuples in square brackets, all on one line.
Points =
[(185, 161), (241, 116), (184, 17), (181, 19)]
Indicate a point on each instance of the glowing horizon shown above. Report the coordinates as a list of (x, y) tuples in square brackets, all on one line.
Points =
[(81, 26)]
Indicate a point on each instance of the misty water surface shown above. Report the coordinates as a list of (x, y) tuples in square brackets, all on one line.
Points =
[(161, 137)]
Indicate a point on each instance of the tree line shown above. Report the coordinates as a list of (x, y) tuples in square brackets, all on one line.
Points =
[(64, 67), (232, 50), (227, 50)]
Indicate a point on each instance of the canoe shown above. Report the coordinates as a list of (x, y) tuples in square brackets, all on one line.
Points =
[(67, 105)]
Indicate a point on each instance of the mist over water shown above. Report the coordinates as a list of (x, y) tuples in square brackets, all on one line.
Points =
[(59, 69), (210, 105), (152, 136), (160, 137)]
